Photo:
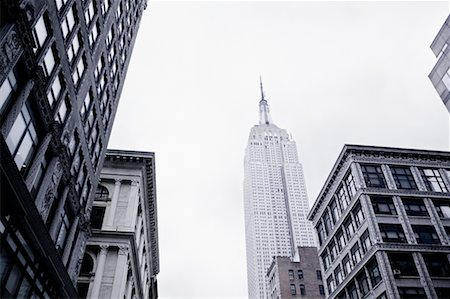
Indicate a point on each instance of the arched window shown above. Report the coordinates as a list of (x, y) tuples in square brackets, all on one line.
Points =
[(101, 193), (87, 266)]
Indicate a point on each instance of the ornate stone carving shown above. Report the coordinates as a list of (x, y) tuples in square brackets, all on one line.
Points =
[(9, 51), (46, 203), (123, 249)]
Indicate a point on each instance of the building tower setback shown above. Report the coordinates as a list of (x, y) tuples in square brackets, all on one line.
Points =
[(275, 200)]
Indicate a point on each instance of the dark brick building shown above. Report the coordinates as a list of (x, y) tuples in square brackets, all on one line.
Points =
[(298, 277), (62, 68)]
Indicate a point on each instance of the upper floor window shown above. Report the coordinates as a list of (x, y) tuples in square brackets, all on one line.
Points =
[(437, 264), (403, 177), (402, 264), (7, 90), (338, 274), (40, 33), (319, 274), (89, 13), (54, 92), (335, 210), (79, 70), (63, 230), (410, 292), (342, 197), (358, 215), (383, 205), (302, 289), (61, 115), (392, 233), (433, 180), (293, 290), (373, 176), (350, 184), (425, 234), (415, 207), (97, 215), (74, 47), (443, 208), (60, 3), (48, 63), (356, 253), (374, 272), (330, 284), (363, 283), (105, 6), (291, 274), (93, 34), (365, 241), (300, 274), (347, 263), (22, 140), (327, 222), (68, 23)]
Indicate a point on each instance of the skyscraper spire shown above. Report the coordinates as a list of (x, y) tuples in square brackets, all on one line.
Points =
[(264, 111)]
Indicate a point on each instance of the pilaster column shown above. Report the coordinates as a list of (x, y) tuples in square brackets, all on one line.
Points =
[(91, 284), (118, 289), (129, 288), (69, 240), (99, 271), (133, 202), (114, 200), (425, 278), (59, 211), (389, 178), (138, 230)]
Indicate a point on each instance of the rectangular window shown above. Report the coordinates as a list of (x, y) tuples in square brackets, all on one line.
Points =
[(373, 176), (383, 205), (327, 222), (363, 283), (374, 272), (333, 250), (433, 180), (291, 274), (358, 215), (352, 291), (330, 284), (402, 264), (326, 260), (97, 215), (425, 234), (40, 33), (335, 211), (410, 293), (392, 233), (339, 276), (319, 274), (62, 111), (79, 70), (302, 290), (7, 90), (293, 290), (93, 34), (86, 105), (60, 3), (365, 241), (347, 264), (340, 237), (321, 290), (48, 63), (403, 178), (22, 140), (63, 230), (68, 23), (89, 13), (442, 208), (415, 207), (321, 233), (356, 253), (72, 51), (349, 228), (342, 197), (350, 184), (55, 91), (437, 264), (300, 274)]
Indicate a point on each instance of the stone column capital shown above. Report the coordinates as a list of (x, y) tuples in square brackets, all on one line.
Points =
[(123, 249), (104, 249), (117, 181), (135, 182)]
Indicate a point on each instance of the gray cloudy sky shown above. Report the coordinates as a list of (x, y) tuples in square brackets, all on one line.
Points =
[(333, 72)]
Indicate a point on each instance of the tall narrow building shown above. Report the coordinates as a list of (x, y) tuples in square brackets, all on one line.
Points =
[(275, 200)]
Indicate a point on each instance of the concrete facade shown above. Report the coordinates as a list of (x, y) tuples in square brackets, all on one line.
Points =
[(298, 277), (62, 67), (383, 224), (440, 75), (122, 258)]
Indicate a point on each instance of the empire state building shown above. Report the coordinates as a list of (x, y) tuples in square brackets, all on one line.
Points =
[(275, 200)]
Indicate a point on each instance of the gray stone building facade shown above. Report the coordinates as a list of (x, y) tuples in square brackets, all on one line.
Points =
[(62, 68), (298, 277), (383, 224), (440, 74), (122, 258)]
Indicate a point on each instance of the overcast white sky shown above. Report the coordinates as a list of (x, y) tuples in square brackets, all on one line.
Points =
[(333, 72)]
